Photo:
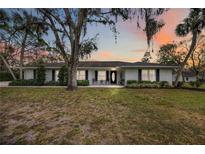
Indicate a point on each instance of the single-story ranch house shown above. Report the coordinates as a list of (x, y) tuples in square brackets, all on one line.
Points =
[(109, 72), (190, 75)]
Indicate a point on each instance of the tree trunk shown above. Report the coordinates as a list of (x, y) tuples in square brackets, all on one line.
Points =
[(72, 68), (193, 44), (75, 31), (21, 64), (7, 65), (22, 55), (72, 75)]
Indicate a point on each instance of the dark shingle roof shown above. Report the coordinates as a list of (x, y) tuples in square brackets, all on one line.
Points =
[(106, 64), (86, 64), (143, 64)]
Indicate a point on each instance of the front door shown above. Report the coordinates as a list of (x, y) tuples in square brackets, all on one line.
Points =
[(113, 77)]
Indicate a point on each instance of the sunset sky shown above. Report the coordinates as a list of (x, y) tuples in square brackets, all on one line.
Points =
[(131, 42)]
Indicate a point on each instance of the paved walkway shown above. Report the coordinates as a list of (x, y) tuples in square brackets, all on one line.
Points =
[(4, 83), (105, 86)]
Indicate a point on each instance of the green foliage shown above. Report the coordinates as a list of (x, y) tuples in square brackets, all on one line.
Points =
[(30, 82), (135, 81), (195, 84), (88, 46), (131, 81), (164, 84), (147, 84), (180, 84), (143, 85), (52, 83), (168, 55), (41, 76), (63, 75), (5, 76), (193, 23), (83, 82)]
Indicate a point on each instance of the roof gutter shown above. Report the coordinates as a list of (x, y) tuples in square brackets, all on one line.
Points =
[(150, 67)]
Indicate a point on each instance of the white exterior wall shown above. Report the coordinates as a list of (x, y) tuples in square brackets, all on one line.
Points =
[(193, 78), (131, 74), (166, 75), (48, 75), (174, 77), (28, 74)]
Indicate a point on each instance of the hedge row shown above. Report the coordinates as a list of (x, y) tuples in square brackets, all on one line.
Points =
[(195, 84), (147, 84), (83, 82), (30, 82), (5, 76), (33, 82)]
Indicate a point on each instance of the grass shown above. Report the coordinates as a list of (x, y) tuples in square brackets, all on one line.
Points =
[(202, 86), (101, 116), (187, 85)]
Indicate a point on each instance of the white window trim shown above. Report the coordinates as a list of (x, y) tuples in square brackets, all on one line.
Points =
[(101, 75), (149, 76)]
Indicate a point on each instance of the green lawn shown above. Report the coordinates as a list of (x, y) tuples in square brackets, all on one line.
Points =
[(203, 86), (101, 116), (189, 86)]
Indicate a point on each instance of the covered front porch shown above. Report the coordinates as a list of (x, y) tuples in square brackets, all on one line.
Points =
[(103, 76)]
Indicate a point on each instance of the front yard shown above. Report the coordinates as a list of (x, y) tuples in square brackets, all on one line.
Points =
[(101, 116)]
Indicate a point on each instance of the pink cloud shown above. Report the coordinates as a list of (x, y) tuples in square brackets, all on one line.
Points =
[(171, 18), (167, 34), (109, 55), (105, 54)]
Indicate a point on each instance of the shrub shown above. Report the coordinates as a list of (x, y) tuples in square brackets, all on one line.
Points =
[(195, 84), (83, 82), (52, 83), (164, 84), (41, 76), (144, 85), (5, 76), (180, 84), (147, 84), (122, 81), (131, 81), (63, 75), (30, 82)]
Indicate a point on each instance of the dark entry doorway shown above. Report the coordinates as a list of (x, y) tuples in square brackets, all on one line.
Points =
[(113, 77)]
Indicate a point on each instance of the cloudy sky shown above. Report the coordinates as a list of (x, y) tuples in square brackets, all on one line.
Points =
[(131, 41)]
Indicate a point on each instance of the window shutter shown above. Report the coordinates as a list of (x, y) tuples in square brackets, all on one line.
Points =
[(96, 75), (34, 74), (107, 75), (53, 75), (86, 74), (157, 75), (139, 74)]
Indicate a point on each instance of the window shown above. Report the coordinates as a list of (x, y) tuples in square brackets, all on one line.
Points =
[(148, 75), (56, 75), (101, 75), (80, 75)]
